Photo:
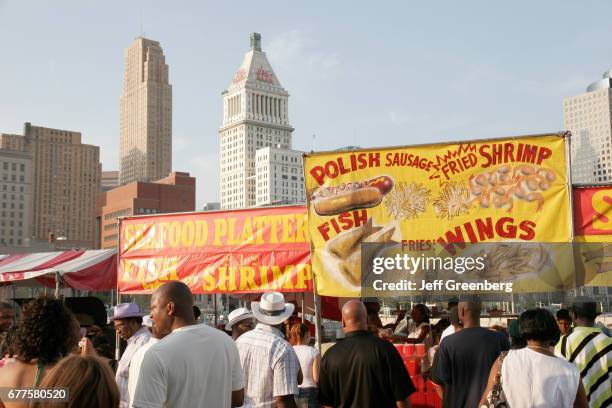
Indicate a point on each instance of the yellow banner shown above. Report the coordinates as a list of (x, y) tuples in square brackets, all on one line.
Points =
[(512, 189)]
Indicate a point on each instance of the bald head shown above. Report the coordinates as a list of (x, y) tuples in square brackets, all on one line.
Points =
[(179, 294), (354, 316), (469, 312)]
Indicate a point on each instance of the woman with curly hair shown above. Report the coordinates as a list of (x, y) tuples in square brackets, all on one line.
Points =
[(46, 332), (89, 380), (6, 346)]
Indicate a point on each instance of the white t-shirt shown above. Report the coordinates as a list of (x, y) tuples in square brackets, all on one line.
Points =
[(135, 365), (415, 330), (193, 367), (307, 356), (532, 379), (408, 328), (447, 332)]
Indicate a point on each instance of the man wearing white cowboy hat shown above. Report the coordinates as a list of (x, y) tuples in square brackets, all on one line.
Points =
[(271, 367), (240, 322), (127, 320)]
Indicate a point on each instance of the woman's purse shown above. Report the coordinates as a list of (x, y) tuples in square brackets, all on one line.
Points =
[(497, 398)]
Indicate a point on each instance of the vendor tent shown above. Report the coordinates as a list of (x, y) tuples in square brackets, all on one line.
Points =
[(78, 269)]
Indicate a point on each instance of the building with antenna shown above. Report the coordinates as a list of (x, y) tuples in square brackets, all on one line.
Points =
[(256, 117)]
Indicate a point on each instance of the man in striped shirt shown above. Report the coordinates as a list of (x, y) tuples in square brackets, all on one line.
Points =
[(590, 350), (271, 367)]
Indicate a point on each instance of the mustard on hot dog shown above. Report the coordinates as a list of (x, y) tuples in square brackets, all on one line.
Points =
[(351, 196)]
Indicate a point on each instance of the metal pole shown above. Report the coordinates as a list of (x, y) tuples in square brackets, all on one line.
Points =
[(57, 284), (118, 298), (303, 311), (318, 334), (215, 306), (568, 173), (117, 338)]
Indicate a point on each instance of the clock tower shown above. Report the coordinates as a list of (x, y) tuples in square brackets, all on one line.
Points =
[(255, 116)]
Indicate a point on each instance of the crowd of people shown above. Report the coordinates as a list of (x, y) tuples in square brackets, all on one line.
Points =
[(265, 358)]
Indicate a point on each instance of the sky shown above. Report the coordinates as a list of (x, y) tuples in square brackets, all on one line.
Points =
[(359, 73)]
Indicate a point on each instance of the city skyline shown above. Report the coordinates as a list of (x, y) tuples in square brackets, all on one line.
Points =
[(472, 73)]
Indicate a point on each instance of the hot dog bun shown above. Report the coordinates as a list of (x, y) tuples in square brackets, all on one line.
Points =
[(347, 201), (352, 195)]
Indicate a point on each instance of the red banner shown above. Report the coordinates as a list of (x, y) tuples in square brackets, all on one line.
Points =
[(241, 251), (593, 234), (593, 213)]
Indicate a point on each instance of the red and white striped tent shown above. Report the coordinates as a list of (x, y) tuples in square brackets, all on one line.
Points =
[(78, 269)]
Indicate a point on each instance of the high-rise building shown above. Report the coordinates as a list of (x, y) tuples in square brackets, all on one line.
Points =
[(15, 198), (145, 148), (110, 180), (174, 193), (65, 181), (589, 117), (255, 116), (280, 176)]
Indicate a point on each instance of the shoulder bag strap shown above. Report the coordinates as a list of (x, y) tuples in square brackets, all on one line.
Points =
[(40, 368)]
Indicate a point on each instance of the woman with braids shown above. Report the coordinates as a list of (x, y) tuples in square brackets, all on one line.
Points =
[(46, 332)]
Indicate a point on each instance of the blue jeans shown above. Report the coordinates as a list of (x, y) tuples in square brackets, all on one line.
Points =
[(307, 398)]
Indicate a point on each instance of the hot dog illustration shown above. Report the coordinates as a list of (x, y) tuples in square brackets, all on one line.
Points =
[(351, 196)]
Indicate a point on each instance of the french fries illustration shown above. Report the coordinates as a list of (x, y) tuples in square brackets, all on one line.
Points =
[(407, 200)]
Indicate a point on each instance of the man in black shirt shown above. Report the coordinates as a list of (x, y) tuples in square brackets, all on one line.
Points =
[(363, 371), (464, 359)]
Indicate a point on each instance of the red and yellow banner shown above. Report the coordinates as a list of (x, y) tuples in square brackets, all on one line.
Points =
[(593, 234), (512, 189), (242, 251), (593, 214)]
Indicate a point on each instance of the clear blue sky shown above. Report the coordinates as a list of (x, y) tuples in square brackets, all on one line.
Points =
[(369, 74)]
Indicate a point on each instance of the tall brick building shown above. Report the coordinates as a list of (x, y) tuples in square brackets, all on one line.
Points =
[(175, 193), (65, 181), (145, 122)]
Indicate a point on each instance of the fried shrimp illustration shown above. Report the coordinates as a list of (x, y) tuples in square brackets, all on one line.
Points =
[(501, 187)]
